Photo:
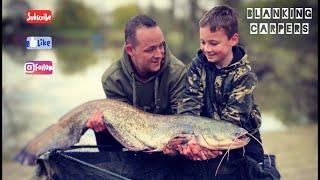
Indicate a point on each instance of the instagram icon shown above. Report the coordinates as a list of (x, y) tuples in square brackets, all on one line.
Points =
[(38, 67)]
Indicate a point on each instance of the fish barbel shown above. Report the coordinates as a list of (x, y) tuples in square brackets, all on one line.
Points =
[(135, 129)]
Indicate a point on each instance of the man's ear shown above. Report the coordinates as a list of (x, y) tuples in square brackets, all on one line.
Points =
[(234, 39), (129, 49)]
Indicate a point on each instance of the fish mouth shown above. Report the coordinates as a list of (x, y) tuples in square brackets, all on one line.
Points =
[(235, 144), (241, 141)]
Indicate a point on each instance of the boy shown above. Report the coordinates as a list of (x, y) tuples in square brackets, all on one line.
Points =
[(220, 85)]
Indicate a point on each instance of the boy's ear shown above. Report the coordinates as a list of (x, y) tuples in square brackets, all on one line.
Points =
[(129, 48), (234, 39)]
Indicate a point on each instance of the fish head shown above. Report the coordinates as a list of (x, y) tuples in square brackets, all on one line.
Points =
[(228, 136)]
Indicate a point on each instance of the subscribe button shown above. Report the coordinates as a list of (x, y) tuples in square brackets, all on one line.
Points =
[(38, 16), (38, 67)]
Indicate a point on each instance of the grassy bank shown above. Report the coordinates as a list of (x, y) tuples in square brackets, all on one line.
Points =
[(296, 152)]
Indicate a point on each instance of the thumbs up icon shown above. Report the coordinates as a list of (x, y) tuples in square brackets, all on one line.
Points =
[(38, 42), (32, 42)]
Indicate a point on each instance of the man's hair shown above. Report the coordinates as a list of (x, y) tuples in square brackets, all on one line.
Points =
[(133, 24), (221, 17)]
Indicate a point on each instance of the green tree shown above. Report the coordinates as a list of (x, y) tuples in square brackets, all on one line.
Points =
[(122, 14), (72, 14)]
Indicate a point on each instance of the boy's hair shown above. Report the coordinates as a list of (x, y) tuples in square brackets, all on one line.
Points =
[(221, 17), (133, 24)]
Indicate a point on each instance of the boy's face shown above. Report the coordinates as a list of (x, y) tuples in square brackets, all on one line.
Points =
[(216, 46)]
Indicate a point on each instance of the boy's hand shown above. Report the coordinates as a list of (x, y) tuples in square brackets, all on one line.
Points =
[(96, 122), (172, 146), (191, 149), (194, 151), (169, 151)]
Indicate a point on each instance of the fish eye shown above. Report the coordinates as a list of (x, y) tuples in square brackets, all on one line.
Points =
[(236, 134)]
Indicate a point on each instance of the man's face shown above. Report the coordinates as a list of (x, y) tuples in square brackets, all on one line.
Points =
[(216, 45), (148, 54)]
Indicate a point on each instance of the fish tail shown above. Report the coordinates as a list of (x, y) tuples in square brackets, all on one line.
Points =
[(61, 135), (55, 137)]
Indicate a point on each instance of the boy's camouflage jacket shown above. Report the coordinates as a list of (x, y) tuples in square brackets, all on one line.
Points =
[(225, 94)]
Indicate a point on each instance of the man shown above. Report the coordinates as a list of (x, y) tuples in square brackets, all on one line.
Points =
[(147, 76)]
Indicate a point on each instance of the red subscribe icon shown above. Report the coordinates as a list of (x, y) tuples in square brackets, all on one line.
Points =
[(39, 16)]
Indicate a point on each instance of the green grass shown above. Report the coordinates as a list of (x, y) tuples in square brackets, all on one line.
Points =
[(296, 152)]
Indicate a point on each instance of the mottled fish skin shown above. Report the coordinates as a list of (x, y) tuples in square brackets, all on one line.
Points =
[(133, 128)]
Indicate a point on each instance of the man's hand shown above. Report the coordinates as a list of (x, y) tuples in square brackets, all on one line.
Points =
[(96, 122), (194, 151), (172, 146)]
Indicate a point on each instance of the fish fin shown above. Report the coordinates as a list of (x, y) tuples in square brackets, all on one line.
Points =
[(25, 157), (186, 137), (201, 140), (179, 139), (153, 150)]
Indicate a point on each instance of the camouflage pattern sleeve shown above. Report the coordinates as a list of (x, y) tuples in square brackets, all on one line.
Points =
[(192, 97), (240, 102)]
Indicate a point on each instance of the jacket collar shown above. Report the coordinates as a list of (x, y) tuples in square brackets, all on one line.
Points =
[(240, 58)]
